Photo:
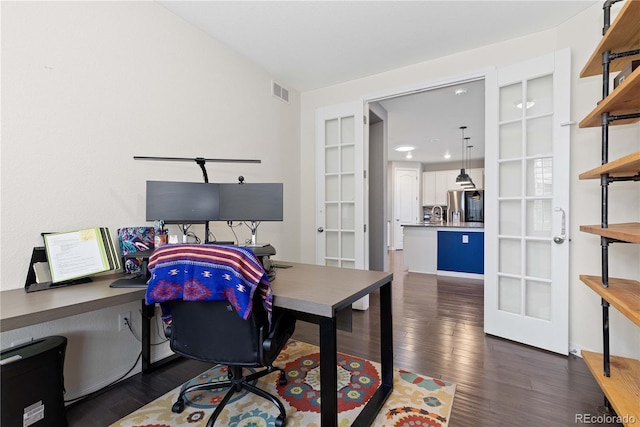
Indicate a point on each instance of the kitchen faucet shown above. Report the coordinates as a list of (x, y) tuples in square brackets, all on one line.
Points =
[(433, 214)]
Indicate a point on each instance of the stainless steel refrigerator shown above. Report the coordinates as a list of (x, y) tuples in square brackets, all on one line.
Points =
[(465, 206), (455, 206)]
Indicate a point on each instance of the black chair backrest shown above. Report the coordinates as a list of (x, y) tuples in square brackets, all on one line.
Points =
[(212, 331)]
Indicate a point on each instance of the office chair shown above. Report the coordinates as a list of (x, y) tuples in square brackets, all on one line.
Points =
[(212, 331)]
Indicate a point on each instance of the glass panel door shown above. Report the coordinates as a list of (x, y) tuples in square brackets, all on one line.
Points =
[(526, 287), (340, 190)]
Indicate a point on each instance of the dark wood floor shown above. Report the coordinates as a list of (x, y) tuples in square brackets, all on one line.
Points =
[(438, 331)]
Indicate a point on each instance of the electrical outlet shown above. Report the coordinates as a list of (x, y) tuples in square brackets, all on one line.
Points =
[(122, 325)]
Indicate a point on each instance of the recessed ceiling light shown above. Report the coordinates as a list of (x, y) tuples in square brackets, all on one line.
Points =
[(409, 156), (405, 148), (447, 155), (460, 91)]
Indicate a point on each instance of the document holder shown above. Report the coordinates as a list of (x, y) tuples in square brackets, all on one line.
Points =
[(31, 284)]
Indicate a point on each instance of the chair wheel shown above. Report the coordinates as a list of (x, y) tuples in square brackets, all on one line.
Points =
[(283, 379), (279, 421), (178, 407)]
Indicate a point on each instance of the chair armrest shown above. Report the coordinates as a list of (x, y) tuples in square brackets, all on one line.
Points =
[(283, 325)]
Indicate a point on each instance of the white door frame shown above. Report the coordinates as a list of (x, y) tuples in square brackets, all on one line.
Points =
[(488, 74), (409, 90)]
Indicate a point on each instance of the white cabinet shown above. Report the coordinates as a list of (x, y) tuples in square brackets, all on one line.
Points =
[(435, 184), (428, 188), (445, 181)]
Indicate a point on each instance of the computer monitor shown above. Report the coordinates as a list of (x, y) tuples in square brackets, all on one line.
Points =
[(251, 202), (255, 202), (182, 202)]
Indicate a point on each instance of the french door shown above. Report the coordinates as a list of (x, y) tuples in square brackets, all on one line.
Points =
[(341, 240), (527, 202)]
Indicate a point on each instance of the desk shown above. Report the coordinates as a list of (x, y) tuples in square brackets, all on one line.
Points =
[(314, 292), (20, 309), (322, 292)]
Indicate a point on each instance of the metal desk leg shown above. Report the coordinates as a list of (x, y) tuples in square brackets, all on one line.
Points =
[(386, 336), (328, 373), (375, 404), (148, 313)]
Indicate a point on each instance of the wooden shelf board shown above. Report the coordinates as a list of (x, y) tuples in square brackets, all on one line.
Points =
[(622, 100), (622, 388), (622, 294), (627, 232), (625, 166), (623, 35)]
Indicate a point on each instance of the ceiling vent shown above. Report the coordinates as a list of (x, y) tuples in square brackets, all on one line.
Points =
[(279, 92)]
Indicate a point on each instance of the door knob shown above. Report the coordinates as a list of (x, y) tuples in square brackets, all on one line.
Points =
[(320, 229), (563, 231)]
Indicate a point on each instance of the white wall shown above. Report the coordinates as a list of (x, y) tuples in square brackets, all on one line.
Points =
[(88, 85), (581, 34)]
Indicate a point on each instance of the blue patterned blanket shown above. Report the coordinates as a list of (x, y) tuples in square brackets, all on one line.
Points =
[(207, 272)]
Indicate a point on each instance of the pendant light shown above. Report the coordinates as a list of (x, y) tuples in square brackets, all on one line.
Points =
[(467, 146), (463, 179), (476, 194)]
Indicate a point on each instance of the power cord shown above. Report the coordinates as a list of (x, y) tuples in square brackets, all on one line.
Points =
[(126, 322), (164, 340), (93, 393), (193, 235), (184, 231), (160, 335), (231, 226)]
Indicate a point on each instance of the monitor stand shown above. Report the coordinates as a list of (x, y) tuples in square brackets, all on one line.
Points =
[(185, 229), (254, 236)]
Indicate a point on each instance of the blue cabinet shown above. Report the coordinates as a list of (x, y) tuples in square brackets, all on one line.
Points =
[(461, 251)]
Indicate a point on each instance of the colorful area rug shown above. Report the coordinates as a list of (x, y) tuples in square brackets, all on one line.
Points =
[(416, 401)]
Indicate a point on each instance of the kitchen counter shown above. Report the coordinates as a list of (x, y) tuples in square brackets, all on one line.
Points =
[(448, 249), (479, 225)]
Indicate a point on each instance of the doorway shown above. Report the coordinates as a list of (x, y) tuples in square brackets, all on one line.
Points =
[(526, 275), (428, 119)]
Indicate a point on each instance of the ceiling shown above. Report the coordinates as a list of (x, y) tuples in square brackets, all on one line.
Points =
[(431, 121), (307, 45)]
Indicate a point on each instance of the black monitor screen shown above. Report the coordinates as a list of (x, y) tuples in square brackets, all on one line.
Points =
[(182, 202), (251, 202)]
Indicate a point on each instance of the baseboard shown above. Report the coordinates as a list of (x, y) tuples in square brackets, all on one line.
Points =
[(460, 274)]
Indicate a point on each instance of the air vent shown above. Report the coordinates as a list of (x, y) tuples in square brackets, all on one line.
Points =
[(279, 92)]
